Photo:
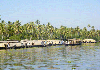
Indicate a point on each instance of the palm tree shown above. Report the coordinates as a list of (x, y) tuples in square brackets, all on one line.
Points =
[(84, 32), (89, 25), (2, 28), (0, 18), (93, 28), (17, 26), (10, 29), (37, 22)]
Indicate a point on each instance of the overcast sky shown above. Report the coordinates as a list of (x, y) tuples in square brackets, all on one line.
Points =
[(70, 13)]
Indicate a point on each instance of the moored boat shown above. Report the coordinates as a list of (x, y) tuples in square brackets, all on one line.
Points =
[(72, 42), (88, 41), (9, 44)]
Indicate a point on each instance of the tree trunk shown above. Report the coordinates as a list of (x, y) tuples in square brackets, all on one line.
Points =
[(2, 37)]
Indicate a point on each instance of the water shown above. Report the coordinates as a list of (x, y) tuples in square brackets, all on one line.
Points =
[(85, 57)]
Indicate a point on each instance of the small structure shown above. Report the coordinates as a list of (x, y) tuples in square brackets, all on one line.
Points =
[(89, 41)]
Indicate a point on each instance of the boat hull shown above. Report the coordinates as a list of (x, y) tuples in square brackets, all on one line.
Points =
[(72, 44)]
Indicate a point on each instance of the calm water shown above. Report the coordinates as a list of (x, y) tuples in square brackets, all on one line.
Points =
[(85, 57)]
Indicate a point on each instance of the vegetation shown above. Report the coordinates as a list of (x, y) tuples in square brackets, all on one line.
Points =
[(31, 30)]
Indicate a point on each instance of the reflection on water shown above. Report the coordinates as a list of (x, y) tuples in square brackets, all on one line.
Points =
[(85, 57)]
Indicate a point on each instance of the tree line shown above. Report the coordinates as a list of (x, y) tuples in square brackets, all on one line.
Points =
[(37, 31)]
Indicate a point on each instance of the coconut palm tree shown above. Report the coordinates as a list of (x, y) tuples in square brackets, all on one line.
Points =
[(10, 29), (2, 28), (37, 22), (89, 25), (17, 26)]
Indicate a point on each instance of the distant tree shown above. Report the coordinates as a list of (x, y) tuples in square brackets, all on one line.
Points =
[(2, 28), (89, 25), (31, 30), (37, 22)]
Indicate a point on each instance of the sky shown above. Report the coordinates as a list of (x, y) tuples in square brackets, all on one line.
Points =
[(70, 13)]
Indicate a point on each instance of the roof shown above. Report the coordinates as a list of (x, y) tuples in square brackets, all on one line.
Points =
[(74, 39), (89, 40), (8, 41)]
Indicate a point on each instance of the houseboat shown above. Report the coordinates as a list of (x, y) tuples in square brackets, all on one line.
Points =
[(33, 43), (39, 43), (10, 44), (88, 41), (54, 42), (72, 42)]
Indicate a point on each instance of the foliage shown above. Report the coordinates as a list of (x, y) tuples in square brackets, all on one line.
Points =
[(31, 30)]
